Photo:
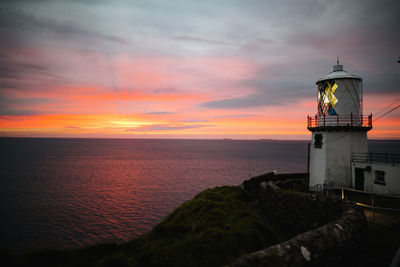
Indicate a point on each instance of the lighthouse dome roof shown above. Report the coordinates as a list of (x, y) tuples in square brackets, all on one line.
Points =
[(338, 73)]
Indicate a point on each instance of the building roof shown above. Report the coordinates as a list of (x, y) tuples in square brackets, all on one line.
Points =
[(338, 72)]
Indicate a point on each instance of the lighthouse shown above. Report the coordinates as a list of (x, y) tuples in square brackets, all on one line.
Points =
[(339, 129)]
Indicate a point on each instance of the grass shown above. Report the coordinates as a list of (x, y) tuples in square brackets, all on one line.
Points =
[(215, 227)]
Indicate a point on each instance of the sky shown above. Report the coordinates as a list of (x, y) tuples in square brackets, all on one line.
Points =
[(190, 69)]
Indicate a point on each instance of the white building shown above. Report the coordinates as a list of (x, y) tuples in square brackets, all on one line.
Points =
[(376, 172), (339, 146)]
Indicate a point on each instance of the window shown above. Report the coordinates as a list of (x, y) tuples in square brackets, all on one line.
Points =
[(326, 98), (318, 140), (380, 177)]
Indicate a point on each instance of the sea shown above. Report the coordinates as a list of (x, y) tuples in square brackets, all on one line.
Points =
[(65, 193)]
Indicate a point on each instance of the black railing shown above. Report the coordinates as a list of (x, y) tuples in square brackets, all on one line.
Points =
[(340, 120), (388, 158)]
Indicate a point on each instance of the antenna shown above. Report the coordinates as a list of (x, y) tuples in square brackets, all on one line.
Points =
[(338, 67)]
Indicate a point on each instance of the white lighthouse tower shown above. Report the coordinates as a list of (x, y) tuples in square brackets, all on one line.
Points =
[(338, 129)]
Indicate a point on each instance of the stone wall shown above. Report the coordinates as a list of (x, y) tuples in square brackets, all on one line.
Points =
[(326, 232), (252, 185), (297, 212)]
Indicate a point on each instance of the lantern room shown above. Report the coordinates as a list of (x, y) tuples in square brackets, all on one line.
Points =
[(339, 101)]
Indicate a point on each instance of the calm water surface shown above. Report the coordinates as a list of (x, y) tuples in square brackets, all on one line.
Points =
[(74, 192)]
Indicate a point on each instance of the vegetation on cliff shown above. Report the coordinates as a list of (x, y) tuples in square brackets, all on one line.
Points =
[(222, 224), (215, 227)]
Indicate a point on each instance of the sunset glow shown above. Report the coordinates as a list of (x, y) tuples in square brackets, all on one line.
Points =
[(179, 74)]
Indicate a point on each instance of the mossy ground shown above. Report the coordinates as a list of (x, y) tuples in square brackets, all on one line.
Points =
[(215, 227)]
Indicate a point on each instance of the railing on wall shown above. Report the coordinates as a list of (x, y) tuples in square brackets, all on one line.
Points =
[(340, 120), (388, 203), (387, 158)]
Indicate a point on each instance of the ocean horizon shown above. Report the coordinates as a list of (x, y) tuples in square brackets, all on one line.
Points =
[(74, 192)]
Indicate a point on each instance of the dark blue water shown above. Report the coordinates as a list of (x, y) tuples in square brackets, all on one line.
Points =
[(62, 193)]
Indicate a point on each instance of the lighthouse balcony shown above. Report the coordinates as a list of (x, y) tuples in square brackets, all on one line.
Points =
[(340, 123)]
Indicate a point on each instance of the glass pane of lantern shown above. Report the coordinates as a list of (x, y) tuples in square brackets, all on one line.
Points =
[(326, 98)]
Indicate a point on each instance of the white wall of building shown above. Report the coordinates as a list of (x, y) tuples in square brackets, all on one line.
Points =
[(392, 177), (340, 146), (331, 164), (317, 162)]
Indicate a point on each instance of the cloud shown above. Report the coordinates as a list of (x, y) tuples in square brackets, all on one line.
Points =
[(12, 105), (248, 101), (18, 25), (234, 116), (201, 40), (19, 112), (255, 100), (273, 85), (195, 120), (38, 52), (159, 113), (165, 127), (13, 69)]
